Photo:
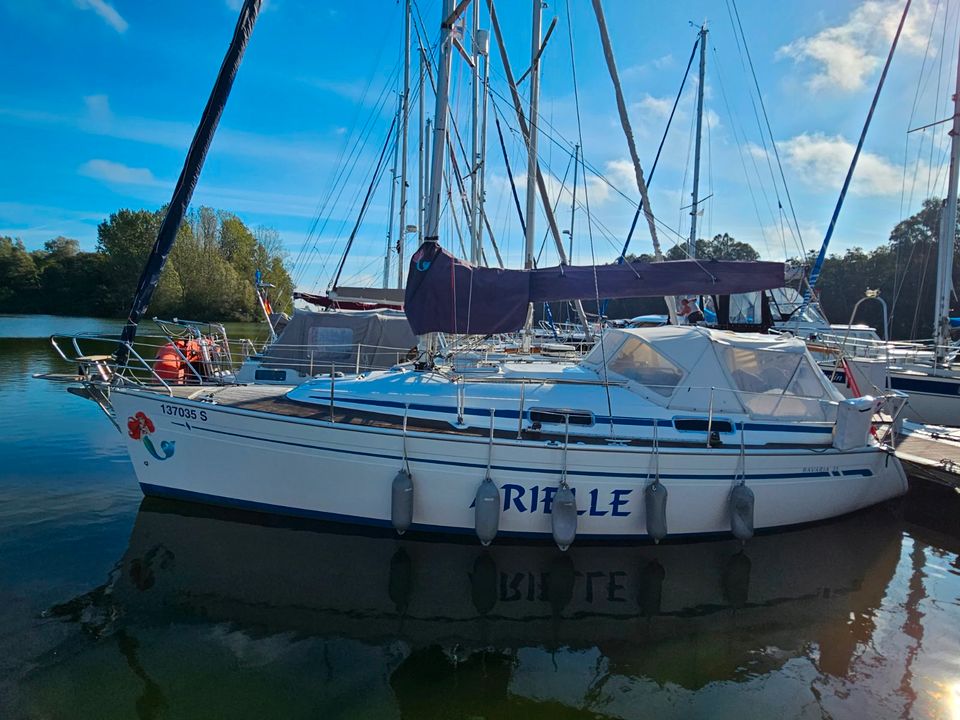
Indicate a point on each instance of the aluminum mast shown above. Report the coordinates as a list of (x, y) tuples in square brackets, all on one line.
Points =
[(692, 243), (434, 199), (948, 234), (404, 127)]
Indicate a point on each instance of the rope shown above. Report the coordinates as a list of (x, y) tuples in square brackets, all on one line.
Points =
[(493, 412), (406, 461), (742, 461)]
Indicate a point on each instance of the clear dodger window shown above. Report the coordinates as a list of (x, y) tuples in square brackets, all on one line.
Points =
[(638, 361), (777, 384)]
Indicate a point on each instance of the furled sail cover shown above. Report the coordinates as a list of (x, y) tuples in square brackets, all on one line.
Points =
[(445, 294)]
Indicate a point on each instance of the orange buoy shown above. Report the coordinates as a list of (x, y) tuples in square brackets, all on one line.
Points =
[(169, 365)]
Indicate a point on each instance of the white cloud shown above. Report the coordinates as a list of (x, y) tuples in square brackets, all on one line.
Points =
[(655, 109), (117, 173), (107, 13), (711, 118), (654, 106), (660, 63), (98, 118), (846, 55), (142, 183), (821, 161), (622, 175)]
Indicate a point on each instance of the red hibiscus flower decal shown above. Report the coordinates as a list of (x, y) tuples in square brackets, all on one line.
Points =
[(140, 425)]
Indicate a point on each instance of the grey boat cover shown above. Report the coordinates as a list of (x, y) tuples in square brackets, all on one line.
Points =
[(313, 341)]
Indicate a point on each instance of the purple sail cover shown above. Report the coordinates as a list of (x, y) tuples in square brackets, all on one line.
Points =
[(445, 294), (639, 279)]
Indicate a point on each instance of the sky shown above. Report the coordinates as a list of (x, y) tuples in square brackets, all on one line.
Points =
[(99, 100)]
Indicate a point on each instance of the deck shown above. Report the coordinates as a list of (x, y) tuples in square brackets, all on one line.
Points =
[(930, 455)]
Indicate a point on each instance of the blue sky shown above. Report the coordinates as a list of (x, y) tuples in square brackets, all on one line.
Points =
[(99, 98)]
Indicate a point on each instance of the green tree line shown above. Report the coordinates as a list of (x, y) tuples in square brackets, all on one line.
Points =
[(209, 274), (904, 270)]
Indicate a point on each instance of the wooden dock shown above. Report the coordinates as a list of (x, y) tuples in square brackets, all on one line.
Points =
[(929, 453)]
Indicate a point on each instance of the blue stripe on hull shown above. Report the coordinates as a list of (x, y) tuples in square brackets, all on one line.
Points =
[(865, 472), (909, 385), (925, 386)]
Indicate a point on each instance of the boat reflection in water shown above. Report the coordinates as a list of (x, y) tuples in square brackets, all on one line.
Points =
[(213, 611)]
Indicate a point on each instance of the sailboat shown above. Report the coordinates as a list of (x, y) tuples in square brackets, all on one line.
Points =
[(929, 375), (657, 432)]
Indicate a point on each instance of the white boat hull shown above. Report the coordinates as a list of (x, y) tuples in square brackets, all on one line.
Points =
[(292, 465)]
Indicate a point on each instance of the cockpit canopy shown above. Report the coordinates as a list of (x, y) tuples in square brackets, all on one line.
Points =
[(695, 368)]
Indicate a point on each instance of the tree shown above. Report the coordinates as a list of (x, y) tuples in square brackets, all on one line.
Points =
[(18, 275), (721, 247), (209, 274), (904, 270), (61, 247), (126, 239)]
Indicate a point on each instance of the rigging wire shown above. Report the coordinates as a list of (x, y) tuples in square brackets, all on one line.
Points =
[(506, 161), (663, 139), (907, 201), (586, 196), (345, 170), (739, 143), (773, 142), (691, 135), (339, 159), (340, 178), (377, 175), (818, 264), (568, 149)]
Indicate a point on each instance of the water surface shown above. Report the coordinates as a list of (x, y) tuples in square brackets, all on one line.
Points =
[(112, 606)]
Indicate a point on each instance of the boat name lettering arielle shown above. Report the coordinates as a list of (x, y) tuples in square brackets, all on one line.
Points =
[(516, 497)]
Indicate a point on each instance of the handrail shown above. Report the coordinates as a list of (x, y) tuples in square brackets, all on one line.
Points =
[(117, 372)]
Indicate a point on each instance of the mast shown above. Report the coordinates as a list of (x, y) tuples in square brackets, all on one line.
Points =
[(533, 127), (692, 243), (631, 145), (187, 182), (404, 126), (573, 201), (532, 163), (948, 234), (432, 230), (393, 201), (422, 148), (483, 42), (475, 138)]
